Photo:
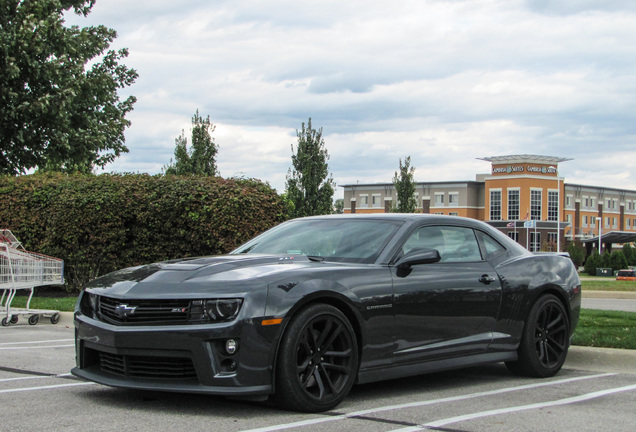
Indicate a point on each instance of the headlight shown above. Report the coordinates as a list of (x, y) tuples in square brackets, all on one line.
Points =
[(214, 310), (222, 309)]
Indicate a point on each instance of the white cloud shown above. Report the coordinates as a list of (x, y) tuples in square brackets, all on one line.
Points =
[(442, 81)]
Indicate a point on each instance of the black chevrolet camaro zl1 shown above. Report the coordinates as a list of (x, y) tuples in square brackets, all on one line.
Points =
[(313, 306)]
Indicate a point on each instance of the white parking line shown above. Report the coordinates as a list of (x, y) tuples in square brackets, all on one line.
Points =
[(422, 403), (36, 342), (46, 387), (35, 377), (35, 347), (566, 401)]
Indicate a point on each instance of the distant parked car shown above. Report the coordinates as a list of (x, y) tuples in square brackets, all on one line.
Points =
[(629, 275), (315, 305)]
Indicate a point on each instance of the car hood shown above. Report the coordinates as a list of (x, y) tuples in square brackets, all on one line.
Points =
[(225, 274)]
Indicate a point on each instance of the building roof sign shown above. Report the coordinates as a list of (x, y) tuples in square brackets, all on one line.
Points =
[(524, 158)]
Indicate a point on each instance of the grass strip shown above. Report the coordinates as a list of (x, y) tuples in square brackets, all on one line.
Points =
[(606, 329), (607, 284), (62, 304)]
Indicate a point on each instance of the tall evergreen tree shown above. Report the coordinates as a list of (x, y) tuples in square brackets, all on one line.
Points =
[(200, 158), (404, 183), (309, 185), (58, 89)]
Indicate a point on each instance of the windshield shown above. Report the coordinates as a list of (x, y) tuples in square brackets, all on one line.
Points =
[(347, 240)]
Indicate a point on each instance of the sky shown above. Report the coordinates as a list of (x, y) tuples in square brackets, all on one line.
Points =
[(443, 81)]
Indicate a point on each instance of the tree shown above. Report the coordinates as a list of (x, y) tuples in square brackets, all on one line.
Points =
[(618, 261), (405, 186), (338, 206), (59, 89), (576, 250), (309, 185), (200, 159), (593, 261)]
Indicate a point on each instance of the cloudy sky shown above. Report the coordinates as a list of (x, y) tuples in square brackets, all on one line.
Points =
[(444, 81)]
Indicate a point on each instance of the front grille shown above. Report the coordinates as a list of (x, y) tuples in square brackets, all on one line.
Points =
[(143, 312), (147, 367)]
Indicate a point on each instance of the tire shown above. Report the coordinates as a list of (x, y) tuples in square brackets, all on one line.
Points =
[(14, 319), (317, 361), (545, 340), (5, 322), (55, 318), (33, 319)]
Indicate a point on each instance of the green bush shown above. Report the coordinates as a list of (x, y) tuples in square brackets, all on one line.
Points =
[(618, 260), (593, 261), (577, 252), (98, 224)]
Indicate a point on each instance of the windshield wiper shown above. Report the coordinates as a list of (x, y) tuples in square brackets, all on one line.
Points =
[(316, 258)]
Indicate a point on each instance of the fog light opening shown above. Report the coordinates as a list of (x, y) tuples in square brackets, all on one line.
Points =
[(229, 365), (231, 346)]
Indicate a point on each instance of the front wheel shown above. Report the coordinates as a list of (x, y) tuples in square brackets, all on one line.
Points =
[(545, 340), (318, 360)]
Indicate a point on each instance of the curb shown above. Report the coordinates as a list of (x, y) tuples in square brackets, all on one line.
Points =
[(609, 294), (601, 359)]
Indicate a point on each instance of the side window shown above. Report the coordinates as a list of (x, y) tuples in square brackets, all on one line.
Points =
[(492, 246), (455, 244)]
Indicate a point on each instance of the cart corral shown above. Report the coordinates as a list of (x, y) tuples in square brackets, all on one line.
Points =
[(24, 270)]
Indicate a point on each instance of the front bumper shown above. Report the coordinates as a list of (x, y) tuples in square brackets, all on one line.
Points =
[(177, 358)]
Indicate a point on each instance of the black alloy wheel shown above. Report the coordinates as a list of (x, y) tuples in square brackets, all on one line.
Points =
[(545, 341), (318, 360)]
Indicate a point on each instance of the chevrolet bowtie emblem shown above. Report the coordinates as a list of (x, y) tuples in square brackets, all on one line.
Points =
[(123, 310)]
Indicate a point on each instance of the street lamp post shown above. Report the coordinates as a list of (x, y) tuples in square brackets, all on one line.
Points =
[(600, 234), (558, 209)]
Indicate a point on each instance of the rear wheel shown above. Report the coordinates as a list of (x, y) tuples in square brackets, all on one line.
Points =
[(545, 340), (318, 360)]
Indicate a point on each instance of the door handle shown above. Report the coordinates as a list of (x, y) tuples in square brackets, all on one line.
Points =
[(485, 279)]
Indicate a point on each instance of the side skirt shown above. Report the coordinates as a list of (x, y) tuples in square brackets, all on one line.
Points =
[(401, 371)]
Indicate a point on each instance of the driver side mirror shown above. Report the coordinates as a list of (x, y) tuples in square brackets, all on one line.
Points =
[(418, 256)]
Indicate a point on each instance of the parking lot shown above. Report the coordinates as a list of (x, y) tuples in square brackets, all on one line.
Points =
[(37, 392)]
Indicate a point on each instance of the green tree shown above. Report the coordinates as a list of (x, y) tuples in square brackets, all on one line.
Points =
[(576, 250), (630, 254), (404, 183), (200, 158), (593, 261), (59, 89), (309, 185), (338, 206), (618, 261)]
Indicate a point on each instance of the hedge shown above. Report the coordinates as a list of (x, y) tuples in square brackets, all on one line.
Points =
[(100, 223)]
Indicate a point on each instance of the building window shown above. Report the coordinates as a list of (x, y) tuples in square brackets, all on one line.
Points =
[(585, 221), (592, 221), (568, 201), (513, 205), (439, 199), (495, 205), (453, 214), (614, 222), (586, 202), (364, 200), (418, 201), (629, 223), (553, 205), (552, 241), (607, 222), (535, 205), (453, 199), (376, 200), (514, 235), (593, 199), (535, 241)]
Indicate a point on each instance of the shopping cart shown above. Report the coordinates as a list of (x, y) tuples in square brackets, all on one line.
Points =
[(24, 270)]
